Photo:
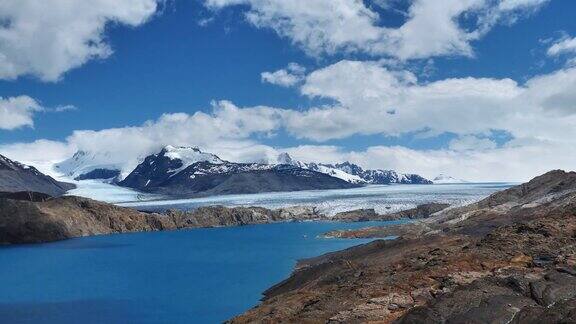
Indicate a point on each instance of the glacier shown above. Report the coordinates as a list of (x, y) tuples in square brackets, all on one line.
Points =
[(383, 198)]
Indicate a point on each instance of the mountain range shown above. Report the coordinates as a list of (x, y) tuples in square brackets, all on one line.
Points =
[(187, 171), (85, 165), (17, 177), (355, 174)]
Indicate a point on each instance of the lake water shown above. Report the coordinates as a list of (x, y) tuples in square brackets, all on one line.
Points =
[(383, 198), (188, 276)]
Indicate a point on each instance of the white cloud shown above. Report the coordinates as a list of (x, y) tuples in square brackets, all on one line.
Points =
[(288, 77), (565, 45), (432, 28), (373, 99), (64, 108), (49, 37), (16, 112)]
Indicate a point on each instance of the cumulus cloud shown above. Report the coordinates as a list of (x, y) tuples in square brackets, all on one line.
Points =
[(432, 28), (16, 112), (47, 38), (372, 99), (288, 77)]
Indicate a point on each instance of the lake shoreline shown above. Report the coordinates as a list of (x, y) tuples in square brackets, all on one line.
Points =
[(52, 219)]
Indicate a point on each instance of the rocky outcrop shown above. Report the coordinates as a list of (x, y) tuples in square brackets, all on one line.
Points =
[(39, 218), (510, 258), (16, 177)]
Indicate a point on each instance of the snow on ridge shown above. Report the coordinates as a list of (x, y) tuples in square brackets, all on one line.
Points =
[(350, 172), (340, 174), (188, 156)]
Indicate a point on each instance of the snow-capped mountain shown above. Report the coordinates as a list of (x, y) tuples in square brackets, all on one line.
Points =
[(444, 179), (87, 165), (355, 174), (15, 176), (186, 171)]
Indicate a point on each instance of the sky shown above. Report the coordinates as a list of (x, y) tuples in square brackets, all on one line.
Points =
[(483, 90)]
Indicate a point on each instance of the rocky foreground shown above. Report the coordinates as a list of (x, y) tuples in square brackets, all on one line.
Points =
[(510, 258)]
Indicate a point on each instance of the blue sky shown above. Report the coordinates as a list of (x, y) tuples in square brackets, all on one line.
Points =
[(181, 56)]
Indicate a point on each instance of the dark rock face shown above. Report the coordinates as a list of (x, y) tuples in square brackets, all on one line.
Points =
[(99, 174), (510, 258), (15, 177), (164, 174)]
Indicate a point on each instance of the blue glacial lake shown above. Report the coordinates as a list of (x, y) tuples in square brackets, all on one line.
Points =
[(188, 276)]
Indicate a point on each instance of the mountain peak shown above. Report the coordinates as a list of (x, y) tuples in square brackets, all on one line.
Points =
[(189, 155), (284, 158)]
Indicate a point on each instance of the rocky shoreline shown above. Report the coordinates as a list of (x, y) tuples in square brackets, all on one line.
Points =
[(35, 218), (510, 258)]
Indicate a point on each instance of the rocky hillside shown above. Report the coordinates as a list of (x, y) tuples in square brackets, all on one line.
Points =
[(15, 177), (510, 258), (187, 172)]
